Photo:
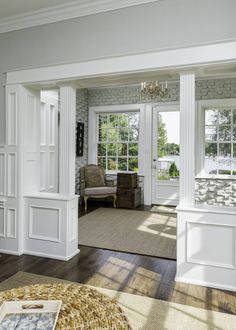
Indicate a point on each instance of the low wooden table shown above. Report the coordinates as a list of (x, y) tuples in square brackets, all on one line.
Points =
[(82, 307)]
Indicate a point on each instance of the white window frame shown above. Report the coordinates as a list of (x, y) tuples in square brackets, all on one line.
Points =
[(93, 131), (200, 138)]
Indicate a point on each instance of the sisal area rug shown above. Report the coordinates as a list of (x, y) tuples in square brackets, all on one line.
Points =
[(132, 231), (164, 209), (144, 313)]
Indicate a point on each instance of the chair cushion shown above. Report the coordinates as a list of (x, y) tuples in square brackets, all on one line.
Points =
[(94, 176), (100, 191)]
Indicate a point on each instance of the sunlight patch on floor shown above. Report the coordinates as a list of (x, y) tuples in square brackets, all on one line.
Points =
[(163, 227)]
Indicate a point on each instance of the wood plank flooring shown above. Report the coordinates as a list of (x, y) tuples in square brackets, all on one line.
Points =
[(141, 275), (147, 276)]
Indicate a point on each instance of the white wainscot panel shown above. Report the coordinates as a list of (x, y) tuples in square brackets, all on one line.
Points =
[(32, 122), (12, 176), (45, 223), (52, 123), (2, 222), (42, 170), (43, 124), (167, 191), (2, 173), (12, 119), (52, 177), (11, 223), (211, 244), (73, 224)]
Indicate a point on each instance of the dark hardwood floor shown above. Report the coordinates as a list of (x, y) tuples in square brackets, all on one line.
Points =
[(141, 275)]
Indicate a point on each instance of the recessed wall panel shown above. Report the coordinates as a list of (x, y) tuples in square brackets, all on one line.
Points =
[(43, 123), (12, 119), (52, 170), (11, 177), (2, 222), (42, 171), (52, 125), (73, 228), (31, 123), (11, 223), (44, 223), (211, 244), (2, 173)]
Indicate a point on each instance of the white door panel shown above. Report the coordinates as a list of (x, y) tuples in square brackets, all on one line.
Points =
[(165, 187)]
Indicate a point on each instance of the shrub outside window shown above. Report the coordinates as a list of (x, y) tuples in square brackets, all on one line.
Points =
[(118, 141)]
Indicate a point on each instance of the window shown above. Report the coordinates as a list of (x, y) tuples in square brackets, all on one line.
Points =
[(220, 141), (118, 141), (168, 145)]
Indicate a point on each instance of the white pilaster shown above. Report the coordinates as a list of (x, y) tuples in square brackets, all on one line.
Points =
[(145, 154), (67, 141), (187, 139)]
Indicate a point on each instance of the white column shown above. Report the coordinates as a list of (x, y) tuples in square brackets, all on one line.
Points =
[(187, 139), (145, 154), (67, 141)]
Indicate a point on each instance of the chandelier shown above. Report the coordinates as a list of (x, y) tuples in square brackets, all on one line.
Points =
[(154, 89)]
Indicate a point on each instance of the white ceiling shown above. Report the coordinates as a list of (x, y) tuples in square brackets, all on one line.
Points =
[(18, 7), (20, 14)]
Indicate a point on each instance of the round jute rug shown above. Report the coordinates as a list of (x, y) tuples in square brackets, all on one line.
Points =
[(82, 307)]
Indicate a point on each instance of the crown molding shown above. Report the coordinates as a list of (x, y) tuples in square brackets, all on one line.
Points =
[(63, 12)]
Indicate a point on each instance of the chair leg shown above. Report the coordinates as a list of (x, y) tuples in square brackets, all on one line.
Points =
[(85, 203), (114, 201)]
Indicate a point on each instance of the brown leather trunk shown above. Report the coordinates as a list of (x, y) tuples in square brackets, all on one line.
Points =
[(128, 198), (127, 180)]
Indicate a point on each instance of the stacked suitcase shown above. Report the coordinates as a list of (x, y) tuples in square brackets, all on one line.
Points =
[(128, 192)]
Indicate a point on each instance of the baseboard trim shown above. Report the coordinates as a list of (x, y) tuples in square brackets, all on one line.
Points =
[(52, 256), (11, 252), (206, 284)]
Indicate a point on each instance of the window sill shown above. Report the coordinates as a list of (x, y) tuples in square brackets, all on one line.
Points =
[(115, 172), (216, 177)]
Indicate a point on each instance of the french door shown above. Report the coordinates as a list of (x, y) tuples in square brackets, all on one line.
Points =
[(165, 155)]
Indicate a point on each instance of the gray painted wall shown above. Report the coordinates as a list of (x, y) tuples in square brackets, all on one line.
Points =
[(150, 27), (205, 90), (81, 116)]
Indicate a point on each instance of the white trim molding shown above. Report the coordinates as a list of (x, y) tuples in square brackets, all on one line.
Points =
[(49, 255), (72, 9), (3, 172), (187, 140), (3, 220), (181, 58), (56, 239), (92, 138)]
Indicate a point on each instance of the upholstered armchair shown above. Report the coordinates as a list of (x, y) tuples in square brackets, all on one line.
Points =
[(93, 184)]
